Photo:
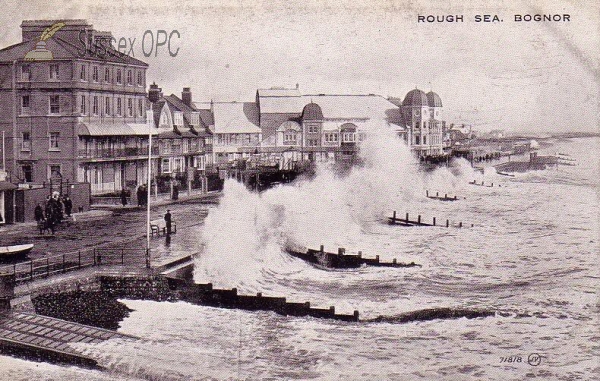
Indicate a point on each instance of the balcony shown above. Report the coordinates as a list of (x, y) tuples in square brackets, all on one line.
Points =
[(115, 153)]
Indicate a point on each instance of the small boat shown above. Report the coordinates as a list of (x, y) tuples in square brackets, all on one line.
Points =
[(6, 251)]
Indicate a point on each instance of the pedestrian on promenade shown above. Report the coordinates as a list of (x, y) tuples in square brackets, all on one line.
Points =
[(123, 197), (68, 205), (140, 195), (38, 212), (168, 222)]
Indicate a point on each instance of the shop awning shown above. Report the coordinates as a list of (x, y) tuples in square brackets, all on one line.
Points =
[(5, 185)]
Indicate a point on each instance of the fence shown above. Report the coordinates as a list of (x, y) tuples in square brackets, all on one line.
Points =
[(58, 264)]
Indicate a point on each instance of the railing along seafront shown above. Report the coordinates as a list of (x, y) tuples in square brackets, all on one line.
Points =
[(62, 263)]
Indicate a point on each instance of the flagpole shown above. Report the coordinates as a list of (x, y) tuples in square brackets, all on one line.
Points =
[(148, 190)]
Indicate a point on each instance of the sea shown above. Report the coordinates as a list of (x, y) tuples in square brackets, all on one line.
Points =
[(528, 251)]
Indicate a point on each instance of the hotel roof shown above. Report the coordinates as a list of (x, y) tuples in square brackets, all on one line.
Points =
[(64, 50), (236, 117)]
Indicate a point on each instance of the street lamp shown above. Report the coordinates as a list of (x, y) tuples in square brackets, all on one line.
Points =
[(153, 96)]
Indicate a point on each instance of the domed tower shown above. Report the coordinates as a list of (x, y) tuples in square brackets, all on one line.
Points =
[(436, 125), (312, 125), (415, 110), (435, 105)]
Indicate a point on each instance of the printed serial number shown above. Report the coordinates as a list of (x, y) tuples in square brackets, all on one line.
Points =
[(511, 359)]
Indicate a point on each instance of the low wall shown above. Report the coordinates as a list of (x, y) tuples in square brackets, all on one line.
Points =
[(27, 199)]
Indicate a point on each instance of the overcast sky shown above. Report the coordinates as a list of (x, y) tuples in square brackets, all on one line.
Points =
[(515, 76)]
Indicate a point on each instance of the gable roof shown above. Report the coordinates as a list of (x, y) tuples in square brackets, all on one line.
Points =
[(235, 117)]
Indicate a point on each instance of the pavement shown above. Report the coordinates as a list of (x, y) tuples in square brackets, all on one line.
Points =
[(114, 226)]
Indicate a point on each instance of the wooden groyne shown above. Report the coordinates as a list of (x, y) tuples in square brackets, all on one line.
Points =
[(172, 289), (483, 184), (341, 260), (441, 198), (395, 220)]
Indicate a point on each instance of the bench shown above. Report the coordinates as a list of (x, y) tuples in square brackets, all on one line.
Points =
[(158, 226)]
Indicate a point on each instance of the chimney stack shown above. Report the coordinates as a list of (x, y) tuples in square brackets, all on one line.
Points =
[(154, 94), (186, 96)]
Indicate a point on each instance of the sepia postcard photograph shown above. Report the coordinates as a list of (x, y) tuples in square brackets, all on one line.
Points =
[(300, 190)]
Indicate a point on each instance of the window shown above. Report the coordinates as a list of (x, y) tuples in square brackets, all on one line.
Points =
[(82, 75), (129, 77), (107, 106), (95, 105), (95, 74), (119, 107), (166, 165), (417, 139), (130, 107), (313, 128), (53, 139), (25, 141), (27, 173), (54, 104), (348, 137), (53, 71), (82, 107), (313, 142), (25, 72), (424, 139), (54, 171), (140, 107), (107, 75), (178, 118), (195, 119), (331, 137), (139, 78), (289, 136), (119, 76), (25, 104)]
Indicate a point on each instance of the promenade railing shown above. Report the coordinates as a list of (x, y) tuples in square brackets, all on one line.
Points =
[(58, 264)]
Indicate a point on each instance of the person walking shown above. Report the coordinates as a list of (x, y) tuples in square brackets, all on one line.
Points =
[(168, 222), (38, 213), (123, 197), (140, 195), (68, 205)]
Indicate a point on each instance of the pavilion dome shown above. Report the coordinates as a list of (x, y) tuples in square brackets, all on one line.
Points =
[(415, 97), (312, 111), (434, 100)]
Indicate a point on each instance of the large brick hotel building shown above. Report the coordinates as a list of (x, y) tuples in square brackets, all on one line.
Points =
[(71, 113)]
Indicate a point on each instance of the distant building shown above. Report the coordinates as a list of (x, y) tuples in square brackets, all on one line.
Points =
[(422, 116), (184, 139), (235, 130), (71, 113), (320, 127)]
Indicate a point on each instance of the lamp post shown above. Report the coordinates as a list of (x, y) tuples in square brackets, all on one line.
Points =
[(153, 96)]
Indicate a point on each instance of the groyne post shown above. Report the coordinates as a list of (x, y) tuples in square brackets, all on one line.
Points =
[(460, 224), (394, 216), (377, 258), (427, 193), (433, 221), (447, 223), (355, 315), (419, 219), (341, 250), (360, 254), (406, 217), (322, 249)]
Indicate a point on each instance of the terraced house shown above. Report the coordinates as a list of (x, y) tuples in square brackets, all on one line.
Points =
[(71, 113), (184, 140)]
